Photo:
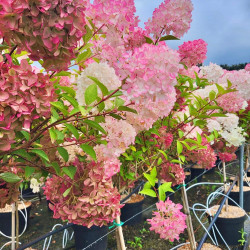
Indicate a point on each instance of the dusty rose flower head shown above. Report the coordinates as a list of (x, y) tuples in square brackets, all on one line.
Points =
[(24, 96), (193, 52), (48, 30), (93, 201)]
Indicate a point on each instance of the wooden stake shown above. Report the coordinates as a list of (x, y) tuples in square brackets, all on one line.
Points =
[(17, 226), (188, 219), (225, 183), (13, 226), (119, 234)]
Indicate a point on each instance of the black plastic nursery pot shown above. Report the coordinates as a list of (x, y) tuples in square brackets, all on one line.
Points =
[(5, 221), (229, 229), (196, 170), (130, 210), (236, 197), (86, 236)]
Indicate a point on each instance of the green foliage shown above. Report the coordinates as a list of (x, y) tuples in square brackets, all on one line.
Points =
[(10, 177), (136, 244)]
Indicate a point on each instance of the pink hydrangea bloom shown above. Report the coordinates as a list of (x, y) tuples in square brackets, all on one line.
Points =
[(24, 95), (119, 14), (205, 157), (48, 30), (120, 135), (227, 156), (171, 16), (172, 173), (247, 67), (151, 77), (240, 80), (93, 201), (193, 52), (168, 221), (231, 102)]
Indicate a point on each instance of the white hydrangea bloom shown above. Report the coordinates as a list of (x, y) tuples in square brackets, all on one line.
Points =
[(212, 72), (235, 137), (204, 93), (213, 125), (103, 72), (35, 185), (228, 128)]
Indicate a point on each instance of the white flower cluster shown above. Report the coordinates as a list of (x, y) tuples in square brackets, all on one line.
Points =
[(212, 72), (103, 72), (228, 128), (35, 185)]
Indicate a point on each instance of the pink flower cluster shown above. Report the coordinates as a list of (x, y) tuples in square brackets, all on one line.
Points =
[(120, 135), (48, 30), (193, 52), (169, 221), (205, 157), (231, 102), (172, 173), (240, 80), (165, 138), (24, 95), (93, 202), (227, 156), (247, 67), (119, 14), (171, 16)]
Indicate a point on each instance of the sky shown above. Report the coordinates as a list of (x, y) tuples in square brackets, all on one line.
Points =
[(223, 24)]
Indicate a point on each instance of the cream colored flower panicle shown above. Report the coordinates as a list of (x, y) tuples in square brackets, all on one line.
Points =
[(103, 72)]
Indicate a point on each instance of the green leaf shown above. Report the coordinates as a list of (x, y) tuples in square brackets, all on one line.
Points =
[(218, 115), (63, 73), (166, 187), (176, 161), (56, 166), (183, 158), (95, 125), (10, 177), (60, 106), (148, 40), (179, 147), (59, 134), (72, 129), (153, 172), (159, 161), (199, 140), (90, 94), (66, 192), (150, 178), (64, 153), (116, 116), (83, 56), (40, 153), (68, 90), (83, 111), (89, 150), (164, 154), (181, 133), (25, 134), (149, 192), (71, 100), (70, 171), (147, 185), (52, 134), (162, 194), (124, 108), (88, 34), (28, 171), (23, 153), (102, 87), (212, 95), (168, 37)]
